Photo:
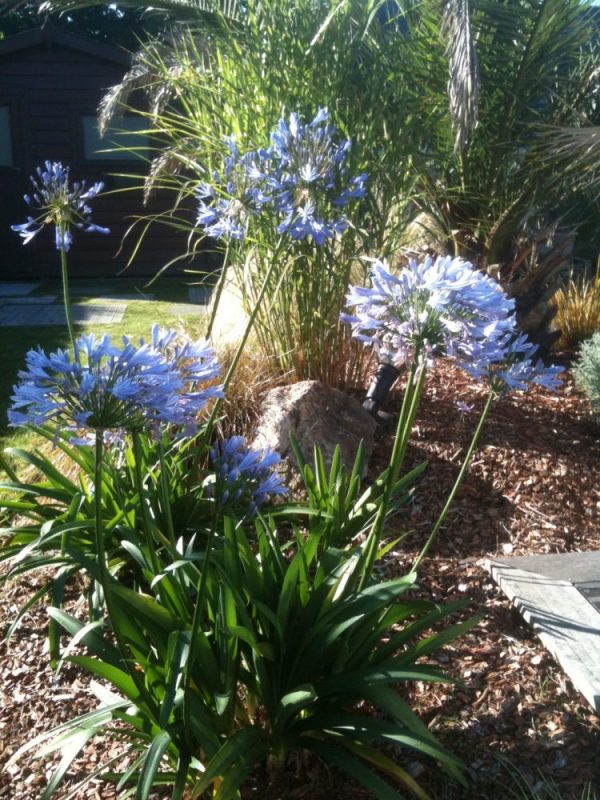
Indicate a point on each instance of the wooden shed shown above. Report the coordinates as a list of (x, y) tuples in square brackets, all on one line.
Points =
[(51, 83)]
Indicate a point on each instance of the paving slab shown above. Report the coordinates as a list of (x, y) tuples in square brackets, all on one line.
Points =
[(559, 596), (28, 315), (14, 289)]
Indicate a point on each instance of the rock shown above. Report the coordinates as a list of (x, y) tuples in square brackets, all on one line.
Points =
[(313, 412), (231, 318)]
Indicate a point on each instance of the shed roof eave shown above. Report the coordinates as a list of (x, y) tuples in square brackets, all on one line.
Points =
[(50, 34)]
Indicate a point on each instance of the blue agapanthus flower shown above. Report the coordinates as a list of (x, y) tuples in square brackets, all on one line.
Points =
[(301, 177), (445, 307), (59, 204), (308, 178), (519, 368), (197, 367), (244, 477), (102, 386), (225, 206)]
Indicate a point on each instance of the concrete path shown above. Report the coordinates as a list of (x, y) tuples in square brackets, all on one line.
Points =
[(36, 300), (19, 309), (38, 315), (559, 596), (200, 294), (99, 295), (13, 289), (185, 309)]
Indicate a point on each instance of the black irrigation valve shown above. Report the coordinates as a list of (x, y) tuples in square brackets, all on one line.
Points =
[(383, 380)]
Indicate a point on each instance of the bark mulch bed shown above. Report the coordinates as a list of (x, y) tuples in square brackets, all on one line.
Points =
[(533, 487)]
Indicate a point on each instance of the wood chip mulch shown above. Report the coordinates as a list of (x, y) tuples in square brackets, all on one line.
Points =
[(533, 487)]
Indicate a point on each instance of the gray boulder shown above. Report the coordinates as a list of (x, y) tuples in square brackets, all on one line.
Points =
[(313, 412)]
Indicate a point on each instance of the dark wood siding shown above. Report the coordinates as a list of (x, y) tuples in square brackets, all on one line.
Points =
[(49, 86)]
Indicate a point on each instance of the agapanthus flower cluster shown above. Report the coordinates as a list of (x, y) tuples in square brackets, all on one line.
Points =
[(309, 178), (102, 386), (59, 204), (244, 477), (225, 214), (519, 368), (447, 307), (301, 177), (196, 365)]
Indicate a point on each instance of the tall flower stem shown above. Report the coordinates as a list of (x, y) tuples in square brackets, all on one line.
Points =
[(146, 522), (218, 292), (152, 533), (197, 621), (164, 487), (457, 482), (412, 396), (240, 349), (104, 575), (65, 284), (99, 528), (168, 515)]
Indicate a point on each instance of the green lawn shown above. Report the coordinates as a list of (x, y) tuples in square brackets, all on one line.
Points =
[(137, 322)]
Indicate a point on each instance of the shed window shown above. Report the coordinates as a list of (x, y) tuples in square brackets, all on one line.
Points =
[(126, 141), (6, 154)]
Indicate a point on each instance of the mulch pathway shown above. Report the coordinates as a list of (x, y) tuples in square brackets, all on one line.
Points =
[(533, 487)]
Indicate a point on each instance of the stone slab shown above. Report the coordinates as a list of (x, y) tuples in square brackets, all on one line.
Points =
[(548, 592), (14, 289), (572, 567), (27, 315)]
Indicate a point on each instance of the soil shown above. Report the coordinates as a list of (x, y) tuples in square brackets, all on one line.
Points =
[(533, 487)]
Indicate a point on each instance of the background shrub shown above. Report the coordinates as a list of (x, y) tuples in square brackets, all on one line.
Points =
[(587, 371), (578, 309)]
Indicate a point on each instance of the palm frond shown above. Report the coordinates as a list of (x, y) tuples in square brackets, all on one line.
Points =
[(574, 153), (182, 10), (463, 80)]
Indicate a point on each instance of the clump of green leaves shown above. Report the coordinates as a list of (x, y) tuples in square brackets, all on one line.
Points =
[(587, 371), (280, 650), (578, 309)]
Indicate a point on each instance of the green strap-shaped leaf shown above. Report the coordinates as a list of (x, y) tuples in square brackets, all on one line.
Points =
[(349, 764), (390, 702), (364, 727), (400, 638), (46, 467), (70, 750), (226, 757), (235, 775), (353, 682), (289, 705), (177, 654), (389, 767), (437, 641), (96, 718), (37, 490), (88, 635), (100, 771), (119, 679), (145, 607), (31, 601), (151, 764), (16, 505)]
